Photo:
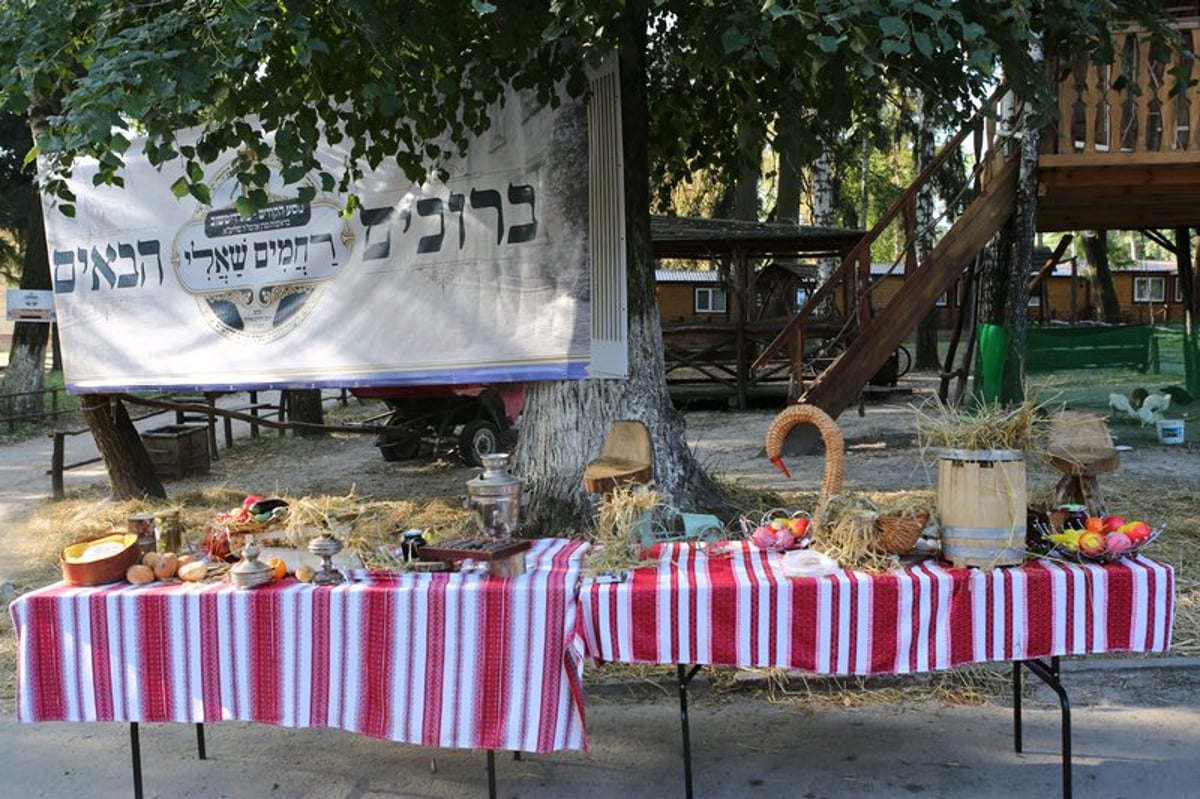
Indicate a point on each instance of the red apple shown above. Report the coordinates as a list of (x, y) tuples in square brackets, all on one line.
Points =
[(799, 527), (1113, 523), (250, 500), (1137, 532)]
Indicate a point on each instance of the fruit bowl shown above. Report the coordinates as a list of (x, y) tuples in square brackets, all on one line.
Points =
[(1109, 551), (777, 530)]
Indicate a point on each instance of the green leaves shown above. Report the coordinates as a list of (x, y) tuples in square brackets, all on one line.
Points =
[(390, 78), (893, 27)]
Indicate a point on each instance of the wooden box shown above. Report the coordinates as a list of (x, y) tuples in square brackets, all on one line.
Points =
[(178, 450)]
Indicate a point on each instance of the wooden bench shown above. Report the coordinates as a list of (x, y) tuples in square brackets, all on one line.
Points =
[(1091, 346)]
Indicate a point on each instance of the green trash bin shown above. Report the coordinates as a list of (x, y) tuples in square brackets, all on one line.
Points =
[(993, 352)]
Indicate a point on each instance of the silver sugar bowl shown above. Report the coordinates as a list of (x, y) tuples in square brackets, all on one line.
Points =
[(495, 496), (325, 546)]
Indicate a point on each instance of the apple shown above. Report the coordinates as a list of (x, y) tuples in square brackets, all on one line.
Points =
[(766, 537), (1113, 523), (1117, 543), (1092, 543), (1137, 532), (799, 527), (251, 499)]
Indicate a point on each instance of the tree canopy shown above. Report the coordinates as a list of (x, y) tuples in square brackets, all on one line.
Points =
[(16, 192), (397, 78)]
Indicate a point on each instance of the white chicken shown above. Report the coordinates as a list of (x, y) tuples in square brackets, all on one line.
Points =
[(1120, 404), (1152, 408)]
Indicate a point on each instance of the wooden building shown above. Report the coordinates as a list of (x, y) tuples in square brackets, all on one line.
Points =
[(716, 321)]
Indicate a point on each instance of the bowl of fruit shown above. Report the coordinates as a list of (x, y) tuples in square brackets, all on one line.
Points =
[(1100, 539), (778, 530)]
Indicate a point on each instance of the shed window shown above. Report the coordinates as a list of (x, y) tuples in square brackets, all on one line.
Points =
[(1149, 289), (710, 300)]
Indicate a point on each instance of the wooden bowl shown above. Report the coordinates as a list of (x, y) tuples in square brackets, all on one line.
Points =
[(97, 561)]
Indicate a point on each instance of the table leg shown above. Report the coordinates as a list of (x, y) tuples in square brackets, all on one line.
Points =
[(200, 750), (135, 748), (1016, 689), (684, 676), (491, 770), (1049, 674)]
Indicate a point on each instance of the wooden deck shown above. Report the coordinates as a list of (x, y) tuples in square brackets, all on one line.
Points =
[(1125, 152)]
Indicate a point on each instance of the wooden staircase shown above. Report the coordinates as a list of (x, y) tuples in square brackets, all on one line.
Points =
[(837, 387), (880, 333)]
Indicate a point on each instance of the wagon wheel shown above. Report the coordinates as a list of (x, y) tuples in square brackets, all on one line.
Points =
[(399, 446), (905, 361), (478, 438)]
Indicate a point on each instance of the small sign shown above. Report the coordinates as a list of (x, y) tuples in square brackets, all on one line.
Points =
[(28, 305)]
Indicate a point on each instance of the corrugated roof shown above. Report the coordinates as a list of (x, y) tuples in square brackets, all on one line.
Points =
[(693, 237), (687, 276)]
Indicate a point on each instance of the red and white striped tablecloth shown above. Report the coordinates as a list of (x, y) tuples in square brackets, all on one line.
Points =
[(449, 660), (739, 610)]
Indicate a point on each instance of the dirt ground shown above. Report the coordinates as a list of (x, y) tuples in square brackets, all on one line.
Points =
[(881, 455)]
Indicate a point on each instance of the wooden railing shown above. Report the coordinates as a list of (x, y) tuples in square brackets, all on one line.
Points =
[(1132, 106), (853, 272)]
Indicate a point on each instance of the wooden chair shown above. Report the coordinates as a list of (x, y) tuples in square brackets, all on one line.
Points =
[(625, 459)]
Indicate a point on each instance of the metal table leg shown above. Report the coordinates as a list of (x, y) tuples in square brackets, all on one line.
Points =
[(1016, 689), (200, 750), (1048, 674), (135, 748), (491, 771), (685, 676)]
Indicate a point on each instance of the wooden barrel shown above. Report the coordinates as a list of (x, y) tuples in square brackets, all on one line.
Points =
[(981, 507)]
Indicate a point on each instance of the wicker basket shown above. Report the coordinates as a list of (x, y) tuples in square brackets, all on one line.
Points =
[(897, 535)]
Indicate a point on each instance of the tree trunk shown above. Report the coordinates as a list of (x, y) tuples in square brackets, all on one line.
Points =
[(926, 358), (1095, 244), (822, 216), (1004, 285), (304, 405), (787, 196), (1189, 292), (1016, 305), (27, 354), (564, 422), (745, 202), (130, 472)]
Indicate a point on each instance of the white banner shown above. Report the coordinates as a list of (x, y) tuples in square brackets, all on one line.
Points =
[(481, 278)]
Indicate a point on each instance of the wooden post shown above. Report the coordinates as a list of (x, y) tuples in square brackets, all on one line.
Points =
[(796, 384), (283, 409), (211, 397), (742, 281), (57, 457), (254, 413)]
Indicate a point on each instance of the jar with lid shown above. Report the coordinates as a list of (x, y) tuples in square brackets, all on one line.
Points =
[(1074, 516), (168, 530), (142, 525)]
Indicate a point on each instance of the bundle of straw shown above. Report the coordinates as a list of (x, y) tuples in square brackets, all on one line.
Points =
[(985, 427), (845, 531), (617, 538)]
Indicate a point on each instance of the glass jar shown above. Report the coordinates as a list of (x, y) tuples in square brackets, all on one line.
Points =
[(168, 530), (1074, 517)]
